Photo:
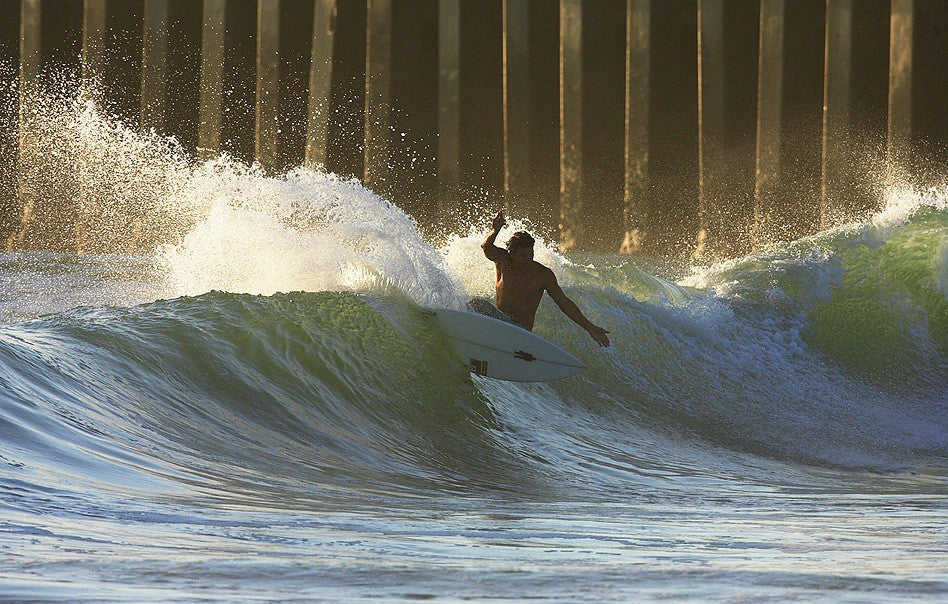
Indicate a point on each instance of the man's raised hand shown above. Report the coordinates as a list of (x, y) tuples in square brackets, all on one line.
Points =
[(499, 221)]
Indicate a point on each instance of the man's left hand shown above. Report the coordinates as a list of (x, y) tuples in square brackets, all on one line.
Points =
[(599, 334)]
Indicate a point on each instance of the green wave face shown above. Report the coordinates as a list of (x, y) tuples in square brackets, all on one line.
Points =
[(890, 307)]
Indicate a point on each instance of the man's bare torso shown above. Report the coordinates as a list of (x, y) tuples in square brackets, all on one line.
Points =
[(519, 290)]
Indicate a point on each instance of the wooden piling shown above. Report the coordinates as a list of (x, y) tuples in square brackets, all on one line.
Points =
[(239, 130), (449, 97), (929, 91), (346, 154), (837, 74), (9, 146), (413, 162), (378, 90), (320, 83), (93, 63), (571, 124), (482, 102), (154, 64), (212, 78), (637, 108), (673, 154), (93, 41), (31, 50), (736, 207), (711, 168), (120, 84), (799, 211), (899, 132), (31, 57), (516, 105), (184, 61), (769, 106), (603, 59), (267, 129)]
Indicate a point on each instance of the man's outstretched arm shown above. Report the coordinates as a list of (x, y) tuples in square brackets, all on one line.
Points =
[(490, 250), (572, 311)]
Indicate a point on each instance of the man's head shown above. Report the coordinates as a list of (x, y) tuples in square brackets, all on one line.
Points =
[(520, 248)]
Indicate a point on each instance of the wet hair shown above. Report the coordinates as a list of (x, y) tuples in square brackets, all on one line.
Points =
[(520, 239)]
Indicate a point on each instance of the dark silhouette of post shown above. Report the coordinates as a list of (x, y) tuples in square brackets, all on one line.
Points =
[(154, 64), (449, 97), (212, 78), (31, 48), (517, 99), (711, 167), (898, 147), (320, 83), (9, 60), (31, 57), (637, 108), (93, 40), (266, 141), (769, 107), (837, 74), (571, 123), (378, 91), (93, 64)]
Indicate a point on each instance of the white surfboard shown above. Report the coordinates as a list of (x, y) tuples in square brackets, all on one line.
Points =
[(504, 351)]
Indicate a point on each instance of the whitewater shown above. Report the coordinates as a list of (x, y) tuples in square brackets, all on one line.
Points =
[(261, 409)]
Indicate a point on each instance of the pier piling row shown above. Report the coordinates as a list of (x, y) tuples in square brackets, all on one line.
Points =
[(704, 127)]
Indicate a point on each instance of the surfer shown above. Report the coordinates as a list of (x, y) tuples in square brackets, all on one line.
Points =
[(521, 282)]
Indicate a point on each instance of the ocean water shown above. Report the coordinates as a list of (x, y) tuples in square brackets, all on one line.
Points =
[(261, 410)]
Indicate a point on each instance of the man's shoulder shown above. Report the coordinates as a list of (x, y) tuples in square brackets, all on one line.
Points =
[(542, 267), (496, 254), (543, 272)]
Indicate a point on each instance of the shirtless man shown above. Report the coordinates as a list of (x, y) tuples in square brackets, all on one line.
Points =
[(521, 282)]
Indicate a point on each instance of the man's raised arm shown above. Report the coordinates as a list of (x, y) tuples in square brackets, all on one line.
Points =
[(493, 252)]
